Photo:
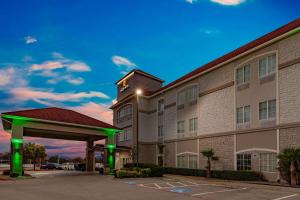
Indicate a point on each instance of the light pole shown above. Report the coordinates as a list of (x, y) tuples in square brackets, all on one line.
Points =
[(138, 92)]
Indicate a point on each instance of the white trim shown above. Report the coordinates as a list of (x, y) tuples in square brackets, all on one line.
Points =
[(234, 155), (175, 154), (187, 152), (256, 149), (230, 60), (198, 151)]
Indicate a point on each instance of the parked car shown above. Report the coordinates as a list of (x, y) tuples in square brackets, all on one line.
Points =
[(80, 167), (68, 166), (52, 166), (99, 166)]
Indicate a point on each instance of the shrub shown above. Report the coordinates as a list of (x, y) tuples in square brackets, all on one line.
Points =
[(238, 175), (185, 171), (6, 172), (224, 174), (126, 173), (156, 171)]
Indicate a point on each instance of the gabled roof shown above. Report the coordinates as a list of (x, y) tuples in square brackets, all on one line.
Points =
[(60, 115), (251, 45), (138, 71)]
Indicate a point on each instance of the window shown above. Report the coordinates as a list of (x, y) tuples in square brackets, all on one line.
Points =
[(121, 137), (182, 161), (160, 105), (181, 98), (160, 131), (124, 113), (187, 161), (267, 65), (243, 162), (243, 114), (192, 94), (193, 161), (125, 135), (267, 110), (180, 127), (193, 124), (268, 162), (243, 74)]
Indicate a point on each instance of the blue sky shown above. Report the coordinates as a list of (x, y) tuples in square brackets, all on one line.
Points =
[(70, 53)]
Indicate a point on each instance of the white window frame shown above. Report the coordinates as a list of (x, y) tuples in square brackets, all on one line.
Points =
[(268, 117), (193, 124), (243, 78), (244, 113), (181, 97), (179, 128), (160, 105), (160, 131), (192, 93), (269, 164), (243, 160), (187, 158), (121, 137), (268, 72)]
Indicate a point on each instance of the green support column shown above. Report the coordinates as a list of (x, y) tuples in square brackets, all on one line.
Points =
[(111, 157), (111, 151), (16, 163), (16, 157)]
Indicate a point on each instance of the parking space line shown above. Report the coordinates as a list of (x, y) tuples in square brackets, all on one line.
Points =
[(158, 187), (168, 183), (286, 197), (219, 191)]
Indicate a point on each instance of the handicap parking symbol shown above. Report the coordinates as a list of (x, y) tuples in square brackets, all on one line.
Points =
[(181, 190)]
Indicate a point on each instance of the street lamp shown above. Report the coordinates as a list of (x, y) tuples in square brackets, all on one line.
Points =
[(138, 92)]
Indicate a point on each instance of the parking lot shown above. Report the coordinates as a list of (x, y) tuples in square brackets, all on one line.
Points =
[(57, 185)]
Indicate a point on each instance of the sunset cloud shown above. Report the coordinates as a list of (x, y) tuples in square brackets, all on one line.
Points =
[(97, 111), (50, 68), (11, 76), (124, 63), (25, 94), (228, 2)]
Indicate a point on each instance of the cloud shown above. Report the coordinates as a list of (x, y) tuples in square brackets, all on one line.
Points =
[(97, 111), (124, 63), (68, 78), (191, 1), (210, 31), (47, 66), (228, 2), (30, 40), (11, 76), (221, 2), (52, 68), (23, 94)]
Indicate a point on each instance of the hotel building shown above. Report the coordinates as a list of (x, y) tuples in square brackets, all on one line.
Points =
[(244, 105)]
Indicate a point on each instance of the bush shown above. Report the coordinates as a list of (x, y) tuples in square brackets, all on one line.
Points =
[(6, 172), (156, 171), (126, 174), (224, 174), (238, 175), (185, 172)]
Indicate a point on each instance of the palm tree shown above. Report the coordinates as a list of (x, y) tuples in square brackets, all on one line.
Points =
[(210, 155), (291, 155)]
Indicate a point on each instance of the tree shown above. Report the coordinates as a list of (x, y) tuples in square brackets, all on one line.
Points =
[(33, 153), (210, 155), (291, 155)]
